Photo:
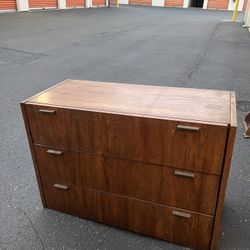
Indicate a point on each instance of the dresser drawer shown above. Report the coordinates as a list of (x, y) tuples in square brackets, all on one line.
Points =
[(182, 145), (63, 198), (70, 129), (179, 144), (168, 223), (159, 184)]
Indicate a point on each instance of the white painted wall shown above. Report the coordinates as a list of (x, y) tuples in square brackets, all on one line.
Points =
[(187, 3), (247, 13), (231, 5), (159, 3), (88, 3), (22, 5), (123, 1), (247, 22), (205, 4), (247, 16), (61, 4)]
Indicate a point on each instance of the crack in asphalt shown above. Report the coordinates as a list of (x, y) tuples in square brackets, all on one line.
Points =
[(29, 220), (200, 56), (32, 225), (23, 51), (18, 56), (242, 44)]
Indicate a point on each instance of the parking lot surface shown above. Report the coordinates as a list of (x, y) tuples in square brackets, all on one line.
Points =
[(146, 45)]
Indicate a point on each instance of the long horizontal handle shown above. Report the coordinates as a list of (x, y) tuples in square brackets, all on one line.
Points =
[(54, 152), (184, 174), (188, 128), (47, 111), (60, 186), (181, 214)]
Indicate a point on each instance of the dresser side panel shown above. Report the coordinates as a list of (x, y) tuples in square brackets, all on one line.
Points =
[(223, 186)]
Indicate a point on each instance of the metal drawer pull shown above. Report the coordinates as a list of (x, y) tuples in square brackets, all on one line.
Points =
[(54, 152), (188, 128), (59, 186), (184, 174), (47, 111), (181, 214)]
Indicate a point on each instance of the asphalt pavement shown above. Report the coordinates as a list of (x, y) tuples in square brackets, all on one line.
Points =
[(146, 45)]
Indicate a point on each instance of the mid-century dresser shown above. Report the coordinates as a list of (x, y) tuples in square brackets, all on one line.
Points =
[(154, 160)]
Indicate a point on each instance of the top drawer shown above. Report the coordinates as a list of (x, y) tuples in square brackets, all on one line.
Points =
[(184, 145)]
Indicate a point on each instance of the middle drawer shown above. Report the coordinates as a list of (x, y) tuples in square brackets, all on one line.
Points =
[(159, 184)]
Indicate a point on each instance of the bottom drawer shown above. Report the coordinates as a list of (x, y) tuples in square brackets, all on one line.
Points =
[(158, 184), (163, 222)]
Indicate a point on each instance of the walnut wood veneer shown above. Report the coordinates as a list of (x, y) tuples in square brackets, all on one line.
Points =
[(154, 160)]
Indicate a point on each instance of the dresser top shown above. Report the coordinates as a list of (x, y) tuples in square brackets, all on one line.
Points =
[(196, 105)]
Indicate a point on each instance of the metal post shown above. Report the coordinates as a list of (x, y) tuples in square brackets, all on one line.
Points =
[(235, 10)]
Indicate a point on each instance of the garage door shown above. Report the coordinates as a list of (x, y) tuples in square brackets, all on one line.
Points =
[(7, 4), (98, 2), (174, 3), (217, 4), (40, 4), (75, 3), (140, 2)]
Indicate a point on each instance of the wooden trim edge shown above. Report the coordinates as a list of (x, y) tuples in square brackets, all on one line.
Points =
[(28, 132), (233, 110), (108, 112), (44, 91), (223, 185)]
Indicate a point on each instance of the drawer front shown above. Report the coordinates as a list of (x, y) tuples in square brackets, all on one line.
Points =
[(159, 184), (178, 226), (70, 129), (63, 198), (189, 146)]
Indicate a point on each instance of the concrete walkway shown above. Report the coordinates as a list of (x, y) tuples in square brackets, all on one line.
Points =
[(172, 47)]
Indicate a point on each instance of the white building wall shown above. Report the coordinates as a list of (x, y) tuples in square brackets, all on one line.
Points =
[(159, 3), (61, 4), (231, 5), (22, 5), (205, 3), (187, 3), (246, 18)]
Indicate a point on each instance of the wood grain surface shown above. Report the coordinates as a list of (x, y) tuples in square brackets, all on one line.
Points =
[(154, 160), (225, 173), (140, 100), (29, 136), (136, 138), (163, 185), (223, 186), (133, 214)]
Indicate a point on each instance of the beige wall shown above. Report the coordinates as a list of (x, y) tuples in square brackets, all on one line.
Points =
[(246, 18)]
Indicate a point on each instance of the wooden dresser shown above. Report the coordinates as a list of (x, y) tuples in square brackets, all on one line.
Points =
[(151, 159)]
